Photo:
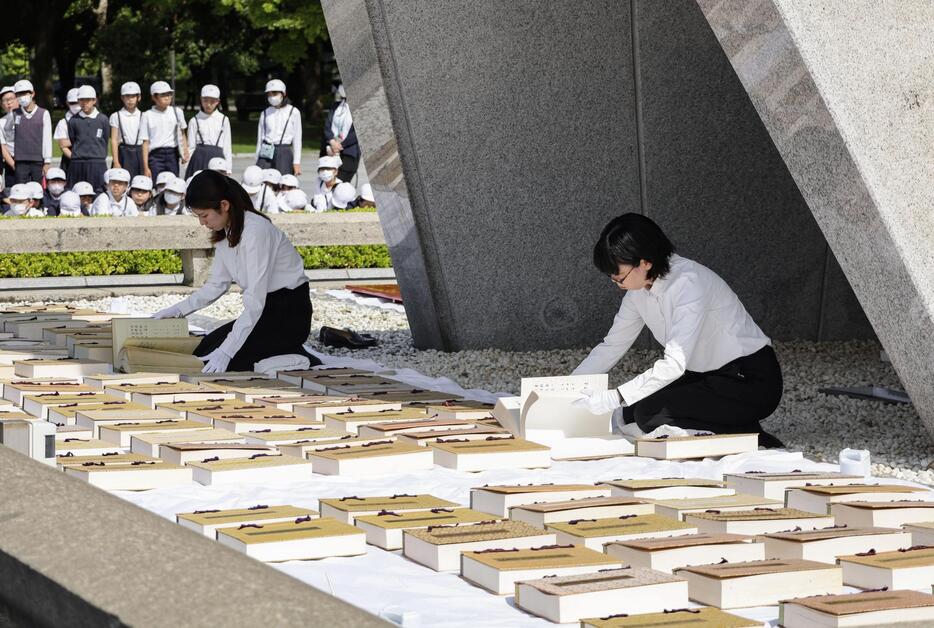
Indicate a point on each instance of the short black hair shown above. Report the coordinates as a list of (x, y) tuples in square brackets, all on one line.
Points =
[(630, 238)]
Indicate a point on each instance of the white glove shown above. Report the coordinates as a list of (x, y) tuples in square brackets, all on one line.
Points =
[(215, 362), (599, 402), (173, 311)]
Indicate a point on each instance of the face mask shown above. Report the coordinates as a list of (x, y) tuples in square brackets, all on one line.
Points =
[(326, 175), (172, 198), (275, 101), (74, 109), (24, 100), (18, 208), (56, 188)]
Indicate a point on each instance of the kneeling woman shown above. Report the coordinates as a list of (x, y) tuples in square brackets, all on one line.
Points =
[(253, 253), (719, 371)]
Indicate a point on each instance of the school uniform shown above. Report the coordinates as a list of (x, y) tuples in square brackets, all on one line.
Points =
[(210, 137), (6, 138), (159, 208), (61, 133), (279, 138), (339, 125), (29, 139), (161, 129), (51, 204), (327, 193), (89, 136), (106, 205), (276, 318), (267, 200), (130, 148), (719, 371)]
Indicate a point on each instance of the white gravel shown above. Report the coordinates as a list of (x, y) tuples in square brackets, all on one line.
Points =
[(817, 424)]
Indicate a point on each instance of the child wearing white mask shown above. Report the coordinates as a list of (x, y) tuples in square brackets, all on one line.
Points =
[(172, 200), (21, 202), (327, 177), (60, 134), (55, 186), (161, 181), (30, 143), (70, 205), (279, 134), (115, 201)]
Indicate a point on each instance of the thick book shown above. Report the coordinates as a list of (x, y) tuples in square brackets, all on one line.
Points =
[(867, 608), (668, 488), (257, 469), (597, 533), (905, 568), (120, 433), (15, 389), (183, 453), (310, 444), (385, 528), (498, 499), (67, 414), (373, 458), (166, 391), (297, 376), (289, 400), (565, 599), (819, 498), (147, 354), (358, 382), (32, 329), (97, 351), (439, 427), (498, 570), (760, 583), (757, 520), (38, 405), (242, 422), (413, 395), (701, 446), (84, 447), (827, 544), (347, 509), (351, 420), (135, 476), (182, 408), (464, 410), (317, 410), (700, 617), (250, 389), (195, 378), (151, 444), (670, 553), (542, 514), (9, 354), (922, 532), (94, 419), (208, 522), (422, 438), (303, 538), (301, 436), (678, 508), (71, 460), (59, 367), (774, 485), (493, 452), (208, 412), (58, 335), (882, 514), (70, 431), (440, 547), (101, 381), (125, 328)]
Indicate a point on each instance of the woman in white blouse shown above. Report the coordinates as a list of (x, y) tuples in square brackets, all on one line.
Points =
[(719, 372), (253, 253)]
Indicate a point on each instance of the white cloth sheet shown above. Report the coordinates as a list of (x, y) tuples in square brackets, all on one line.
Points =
[(383, 304)]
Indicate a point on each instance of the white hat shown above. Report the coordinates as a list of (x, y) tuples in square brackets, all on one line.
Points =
[(87, 91), (164, 177), (252, 179), (107, 175), (343, 195), (70, 202), (290, 180), (293, 200), (5, 89), (176, 185), (22, 86), (160, 87), (20, 192), (82, 188), (271, 175), (55, 173), (35, 190), (210, 91), (130, 88), (329, 161), (275, 85), (141, 182), (72, 95), (218, 164), (119, 174), (367, 193), (319, 202)]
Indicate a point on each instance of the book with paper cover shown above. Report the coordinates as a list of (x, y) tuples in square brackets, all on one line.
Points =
[(701, 617), (102, 380), (59, 367), (88, 350), (571, 598), (905, 568), (440, 547), (135, 476), (182, 408), (819, 498), (57, 335), (71, 431), (195, 378), (385, 528), (757, 520), (882, 514), (464, 410), (67, 414), (172, 391), (413, 395), (257, 468), (498, 499), (207, 522), (543, 513), (310, 445), (827, 544), (702, 446), (922, 533), (760, 583), (595, 533), (670, 553), (498, 571), (151, 444), (85, 447), (498, 451), (38, 405), (440, 427), (677, 508), (71, 460), (867, 608), (297, 376), (94, 419), (16, 389), (9, 355), (348, 508), (120, 433), (282, 422), (668, 488), (351, 420), (317, 410), (300, 539), (125, 328), (206, 412), (359, 382), (376, 457), (32, 330), (183, 453), (288, 401), (774, 485), (480, 432), (256, 386), (294, 437)]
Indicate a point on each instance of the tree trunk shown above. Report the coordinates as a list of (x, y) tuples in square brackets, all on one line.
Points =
[(42, 55), (100, 14)]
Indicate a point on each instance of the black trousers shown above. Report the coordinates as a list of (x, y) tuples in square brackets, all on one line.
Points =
[(282, 328), (27, 171), (729, 400), (162, 159), (348, 169)]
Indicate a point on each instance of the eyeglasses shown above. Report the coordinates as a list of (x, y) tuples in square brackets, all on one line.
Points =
[(619, 282)]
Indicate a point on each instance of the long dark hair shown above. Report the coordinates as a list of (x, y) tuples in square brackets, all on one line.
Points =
[(206, 191), (630, 238)]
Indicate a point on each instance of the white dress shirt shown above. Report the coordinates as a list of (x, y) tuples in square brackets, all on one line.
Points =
[(267, 200), (693, 314), (264, 261), (61, 128), (212, 127), (7, 131), (105, 205), (130, 123), (270, 129), (327, 193), (161, 127)]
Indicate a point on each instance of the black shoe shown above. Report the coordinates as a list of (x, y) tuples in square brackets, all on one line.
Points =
[(332, 337), (770, 442)]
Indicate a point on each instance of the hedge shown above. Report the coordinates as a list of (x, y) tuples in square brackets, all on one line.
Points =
[(169, 261)]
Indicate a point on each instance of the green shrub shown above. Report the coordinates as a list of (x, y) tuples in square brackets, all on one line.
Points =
[(356, 256)]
